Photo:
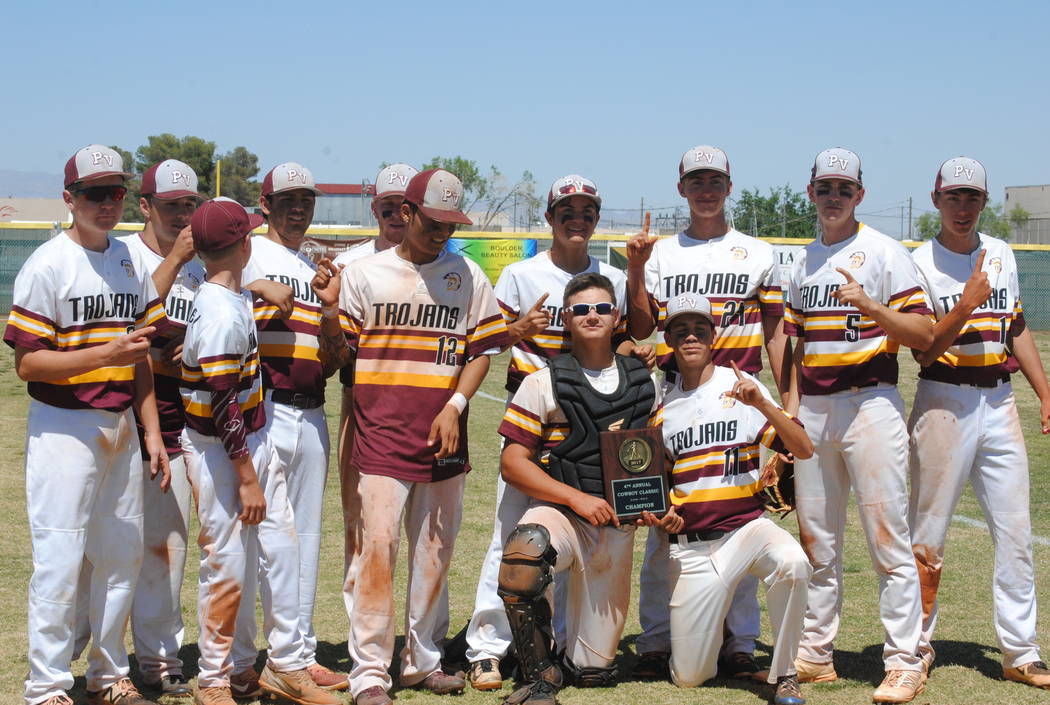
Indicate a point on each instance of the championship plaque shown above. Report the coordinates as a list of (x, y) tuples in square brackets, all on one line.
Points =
[(633, 470)]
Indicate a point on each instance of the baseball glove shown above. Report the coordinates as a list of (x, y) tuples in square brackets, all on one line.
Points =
[(779, 480)]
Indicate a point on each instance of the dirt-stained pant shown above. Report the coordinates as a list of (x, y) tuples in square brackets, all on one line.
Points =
[(156, 613), (742, 623), (432, 513), (84, 500), (598, 592), (961, 433), (705, 575), (860, 440), (234, 556)]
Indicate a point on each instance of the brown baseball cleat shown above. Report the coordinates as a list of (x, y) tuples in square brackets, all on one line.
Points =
[(441, 683), (485, 675), (327, 679), (899, 687), (123, 692), (1034, 674), (219, 695), (62, 699), (652, 666), (296, 686), (373, 696), (809, 672), (245, 685)]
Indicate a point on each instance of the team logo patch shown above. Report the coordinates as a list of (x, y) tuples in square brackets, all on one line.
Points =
[(129, 268), (996, 264), (726, 401), (738, 253), (856, 260), (453, 281)]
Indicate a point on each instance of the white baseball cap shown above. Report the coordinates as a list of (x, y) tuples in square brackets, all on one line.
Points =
[(94, 162), (703, 157), (572, 185), (288, 177), (437, 194), (836, 163), (169, 179), (393, 180), (961, 172), (688, 303)]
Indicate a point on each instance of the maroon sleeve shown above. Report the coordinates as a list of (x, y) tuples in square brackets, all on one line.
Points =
[(229, 422)]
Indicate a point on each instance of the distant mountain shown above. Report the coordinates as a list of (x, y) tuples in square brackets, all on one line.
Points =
[(29, 184)]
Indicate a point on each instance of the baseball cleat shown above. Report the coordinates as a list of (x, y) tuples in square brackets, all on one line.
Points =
[(899, 687), (441, 683), (123, 692), (788, 692), (652, 666), (296, 686), (1034, 674), (213, 696), (809, 672), (171, 686), (485, 675), (245, 685), (373, 696), (327, 679)]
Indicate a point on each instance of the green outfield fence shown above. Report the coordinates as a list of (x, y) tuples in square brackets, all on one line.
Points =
[(18, 240)]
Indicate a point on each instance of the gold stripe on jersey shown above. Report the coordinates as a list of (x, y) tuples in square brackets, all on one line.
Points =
[(203, 409), (984, 360), (530, 425), (103, 374), (715, 457), (31, 326), (855, 357), (397, 340), (767, 296), (732, 492), (484, 330), (362, 375)]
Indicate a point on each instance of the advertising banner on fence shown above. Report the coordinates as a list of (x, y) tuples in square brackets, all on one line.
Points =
[(493, 255)]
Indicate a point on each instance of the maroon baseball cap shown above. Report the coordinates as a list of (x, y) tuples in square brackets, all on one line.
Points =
[(169, 179), (221, 222), (94, 162), (437, 194)]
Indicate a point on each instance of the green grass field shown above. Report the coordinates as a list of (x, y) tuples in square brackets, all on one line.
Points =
[(968, 666)]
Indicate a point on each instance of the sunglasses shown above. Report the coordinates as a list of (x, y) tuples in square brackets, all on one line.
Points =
[(387, 212), (603, 309), (98, 194)]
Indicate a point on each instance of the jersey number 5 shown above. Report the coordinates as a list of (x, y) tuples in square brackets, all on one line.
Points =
[(852, 327)]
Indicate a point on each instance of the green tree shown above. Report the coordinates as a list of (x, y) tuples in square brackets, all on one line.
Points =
[(239, 167), (992, 222), (783, 213), (475, 185)]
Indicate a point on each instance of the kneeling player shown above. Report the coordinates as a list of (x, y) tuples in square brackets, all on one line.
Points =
[(569, 525), (713, 420)]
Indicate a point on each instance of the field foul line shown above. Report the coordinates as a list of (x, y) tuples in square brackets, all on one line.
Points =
[(957, 518)]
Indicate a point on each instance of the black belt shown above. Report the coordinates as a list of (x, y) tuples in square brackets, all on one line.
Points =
[(983, 384), (294, 399), (712, 535)]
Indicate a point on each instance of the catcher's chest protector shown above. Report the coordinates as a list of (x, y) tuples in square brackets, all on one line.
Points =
[(576, 461)]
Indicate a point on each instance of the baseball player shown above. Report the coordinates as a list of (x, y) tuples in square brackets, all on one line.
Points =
[(964, 422), (854, 298), (391, 182), (83, 312), (569, 526), (242, 499), (713, 419), (740, 276), (297, 357), (168, 200), (538, 333), (423, 323)]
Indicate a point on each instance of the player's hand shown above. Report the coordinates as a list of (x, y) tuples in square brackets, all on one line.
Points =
[(977, 289), (129, 348), (275, 294), (158, 460), (853, 294), (326, 282), (171, 353), (594, 510), (1044, 415), (182, 251), (253, 503), (645, 353), (640, 246), (772, 470), (445, 431), (534, 321), (745, 389)]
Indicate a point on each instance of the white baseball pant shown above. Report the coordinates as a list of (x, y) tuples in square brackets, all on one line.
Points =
[(234, 554), (743, 620), (598, 563), (860, 440), (432, 513), (961, 433), (705, 575), (156, 612), (83, 498)]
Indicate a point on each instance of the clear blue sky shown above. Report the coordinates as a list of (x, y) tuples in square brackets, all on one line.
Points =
[(614, 91)]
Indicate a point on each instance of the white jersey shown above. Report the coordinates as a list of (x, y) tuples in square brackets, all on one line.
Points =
[(737, 273), (521, 285), (67, 297), (361, 249), (979, 354)]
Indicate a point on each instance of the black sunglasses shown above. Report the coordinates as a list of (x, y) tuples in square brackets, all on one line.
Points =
[(98, 194), (603, 309)]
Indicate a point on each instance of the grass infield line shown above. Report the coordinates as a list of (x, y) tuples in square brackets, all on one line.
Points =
[(980, 524)]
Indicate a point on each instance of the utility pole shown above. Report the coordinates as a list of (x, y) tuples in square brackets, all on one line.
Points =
[(902, 221), (783, 219), (909, 219)]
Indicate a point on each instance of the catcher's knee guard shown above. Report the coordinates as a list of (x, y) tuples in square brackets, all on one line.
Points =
[(591, 676), (524, 574)]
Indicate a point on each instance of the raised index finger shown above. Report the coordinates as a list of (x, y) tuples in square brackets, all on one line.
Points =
[(645, 223), (843, 272), (980, 261), (539, 301), (736, 370)]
